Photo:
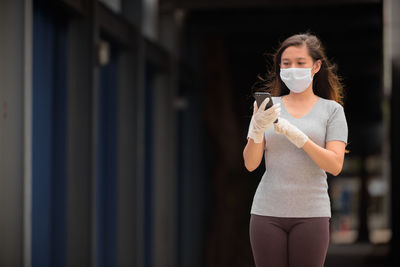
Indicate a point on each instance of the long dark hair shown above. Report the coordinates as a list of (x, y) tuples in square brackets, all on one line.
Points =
[(326, 83)]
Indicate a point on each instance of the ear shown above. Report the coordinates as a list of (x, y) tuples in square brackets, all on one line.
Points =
[(317, 66)]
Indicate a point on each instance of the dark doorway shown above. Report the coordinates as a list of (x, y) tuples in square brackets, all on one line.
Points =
[(226, 47)]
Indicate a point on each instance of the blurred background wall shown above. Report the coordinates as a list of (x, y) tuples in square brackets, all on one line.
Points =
[(123, 123)]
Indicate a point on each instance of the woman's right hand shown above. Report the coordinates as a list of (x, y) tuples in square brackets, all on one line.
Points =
[(262, 120)]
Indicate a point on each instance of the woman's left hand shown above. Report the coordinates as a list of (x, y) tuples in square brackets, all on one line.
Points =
[(297, 137)]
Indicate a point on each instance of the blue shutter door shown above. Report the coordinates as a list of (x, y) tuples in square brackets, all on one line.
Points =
[(49, 140), (107, 163)]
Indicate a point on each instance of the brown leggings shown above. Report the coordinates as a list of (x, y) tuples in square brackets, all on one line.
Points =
[(294, 242)]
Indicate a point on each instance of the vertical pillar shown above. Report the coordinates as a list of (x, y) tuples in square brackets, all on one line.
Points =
[(28, 105), (81, 227), (12, 140), (132, 112), (127, 217)]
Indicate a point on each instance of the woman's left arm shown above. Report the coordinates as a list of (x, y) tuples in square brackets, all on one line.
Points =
[(329, 158)]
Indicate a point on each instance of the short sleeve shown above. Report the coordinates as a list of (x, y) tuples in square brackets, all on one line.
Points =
[(336, 129)]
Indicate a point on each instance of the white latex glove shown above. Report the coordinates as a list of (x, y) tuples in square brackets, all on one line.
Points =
[(297, 137), (262, 120)]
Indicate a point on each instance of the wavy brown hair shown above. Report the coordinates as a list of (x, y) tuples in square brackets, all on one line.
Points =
[(326, 83)]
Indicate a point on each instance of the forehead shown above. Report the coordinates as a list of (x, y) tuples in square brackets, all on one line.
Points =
[(295, 52)]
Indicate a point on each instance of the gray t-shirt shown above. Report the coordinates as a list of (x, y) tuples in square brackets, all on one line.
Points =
[(293, 185)]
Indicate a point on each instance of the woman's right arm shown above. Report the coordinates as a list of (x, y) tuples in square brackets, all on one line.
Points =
[(253, 154), (260, 121)]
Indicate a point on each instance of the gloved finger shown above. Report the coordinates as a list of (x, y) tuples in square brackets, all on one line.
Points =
[(270, 117), (274, 108), (264, 104), (275, 114), (281, 126), (275, 111), (277, 128), (255, 108)]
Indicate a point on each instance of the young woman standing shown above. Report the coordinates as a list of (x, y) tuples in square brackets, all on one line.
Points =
[(290, 215)]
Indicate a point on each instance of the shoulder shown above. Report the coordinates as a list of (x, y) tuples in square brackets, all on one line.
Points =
[(333, 111), (331, 106)]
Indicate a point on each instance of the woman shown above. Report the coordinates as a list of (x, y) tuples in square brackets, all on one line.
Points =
[(290, 215)]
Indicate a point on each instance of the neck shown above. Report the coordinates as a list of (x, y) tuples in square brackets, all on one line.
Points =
[(304, 96)]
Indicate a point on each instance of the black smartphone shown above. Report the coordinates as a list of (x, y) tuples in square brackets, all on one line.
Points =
[(260, 97)]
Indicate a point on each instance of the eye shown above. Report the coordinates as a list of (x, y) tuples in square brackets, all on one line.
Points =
[(285, 63), (301, 63)]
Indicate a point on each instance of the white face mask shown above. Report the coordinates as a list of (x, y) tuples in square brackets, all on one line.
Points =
[(296, 79)]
